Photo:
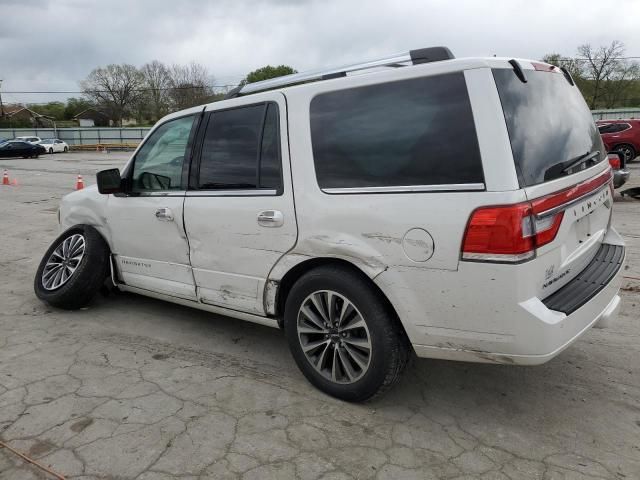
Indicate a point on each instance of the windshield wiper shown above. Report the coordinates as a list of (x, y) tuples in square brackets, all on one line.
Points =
[(580, 160)]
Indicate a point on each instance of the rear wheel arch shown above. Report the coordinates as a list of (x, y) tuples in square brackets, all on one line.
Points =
[(297, 271)]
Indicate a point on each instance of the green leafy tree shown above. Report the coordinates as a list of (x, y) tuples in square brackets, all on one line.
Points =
[(267, 72), (53, 110), (75, 106)]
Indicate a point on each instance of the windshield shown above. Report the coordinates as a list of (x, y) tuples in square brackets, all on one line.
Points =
[(550, 126)]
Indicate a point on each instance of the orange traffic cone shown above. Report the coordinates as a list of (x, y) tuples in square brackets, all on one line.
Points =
[(79, 183), (5, 178)]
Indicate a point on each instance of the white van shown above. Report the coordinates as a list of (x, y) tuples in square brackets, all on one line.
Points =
[(455, 208)]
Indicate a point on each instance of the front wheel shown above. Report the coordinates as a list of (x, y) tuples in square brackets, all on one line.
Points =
[(343, 335), (66, 149), (51, 150), (73, 269)]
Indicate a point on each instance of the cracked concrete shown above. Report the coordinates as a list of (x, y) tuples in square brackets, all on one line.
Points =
[(133, 388)]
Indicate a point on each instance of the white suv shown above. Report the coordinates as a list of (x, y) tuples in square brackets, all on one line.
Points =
[(455, 208)]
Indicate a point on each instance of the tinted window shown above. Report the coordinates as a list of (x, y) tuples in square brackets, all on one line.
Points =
[(549, 124), (158, 163), (411, 132), (270, 176), (241, 149), (618, 127)]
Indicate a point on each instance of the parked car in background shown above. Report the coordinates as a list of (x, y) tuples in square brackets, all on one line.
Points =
[(620, 172), (29, 139), (19, 148), (622, 136), (54, 145), (296, 202)]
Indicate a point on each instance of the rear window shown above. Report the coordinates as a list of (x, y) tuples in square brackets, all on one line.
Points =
[(405, 133), (549, 123)]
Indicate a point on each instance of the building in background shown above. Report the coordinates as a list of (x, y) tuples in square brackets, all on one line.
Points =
[(21, 116), (92, 117)]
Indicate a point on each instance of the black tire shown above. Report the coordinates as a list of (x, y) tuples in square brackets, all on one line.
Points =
[(51, 150), (89, 276), (66, 149), (628, 151), (390, 348)]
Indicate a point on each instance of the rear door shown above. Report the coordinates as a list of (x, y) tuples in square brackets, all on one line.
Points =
[(561, 164), (239, 214)]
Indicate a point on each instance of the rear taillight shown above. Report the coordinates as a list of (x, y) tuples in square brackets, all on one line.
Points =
[(614, 161), (508, 233), (511, 233)]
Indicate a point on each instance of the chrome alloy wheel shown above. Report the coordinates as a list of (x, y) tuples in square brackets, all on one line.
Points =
[(63, 262), (334, 337)]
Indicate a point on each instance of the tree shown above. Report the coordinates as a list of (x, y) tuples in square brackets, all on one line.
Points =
[(54, 110), (75, 106), (574, 67), (604, 77), (115, 89), (190, 85), (604, 65), (268, 72), (157, 80)]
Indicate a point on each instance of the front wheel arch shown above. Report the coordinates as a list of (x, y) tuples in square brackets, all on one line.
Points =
[(88, 275)]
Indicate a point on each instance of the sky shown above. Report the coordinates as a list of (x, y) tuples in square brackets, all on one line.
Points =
[(49, 45)]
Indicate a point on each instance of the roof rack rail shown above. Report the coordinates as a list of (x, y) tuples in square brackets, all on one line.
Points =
[(421, 55)]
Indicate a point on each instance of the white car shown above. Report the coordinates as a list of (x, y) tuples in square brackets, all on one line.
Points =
[(54, 145), (455, 208), (29, 139)]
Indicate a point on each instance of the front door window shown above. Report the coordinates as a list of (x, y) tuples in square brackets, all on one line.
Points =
[(158, 164)]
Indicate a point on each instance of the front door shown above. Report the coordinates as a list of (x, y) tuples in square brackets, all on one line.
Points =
[(149, 241), (239, 213)]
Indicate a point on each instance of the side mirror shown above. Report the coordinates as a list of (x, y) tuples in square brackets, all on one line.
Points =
[(109, 181)]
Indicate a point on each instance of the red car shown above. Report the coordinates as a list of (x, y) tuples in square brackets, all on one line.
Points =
[(622, 136)]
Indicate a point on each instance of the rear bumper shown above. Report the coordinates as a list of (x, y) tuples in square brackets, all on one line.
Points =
[(555, 337), (474, 315)]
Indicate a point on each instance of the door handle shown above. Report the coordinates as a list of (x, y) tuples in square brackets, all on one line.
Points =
[(270, 218), (164, 214)]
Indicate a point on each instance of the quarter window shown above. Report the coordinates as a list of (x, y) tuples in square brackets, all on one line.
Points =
[(158, 163), (241, 149), (410, 132)]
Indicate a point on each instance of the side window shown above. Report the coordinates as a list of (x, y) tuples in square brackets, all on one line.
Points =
[(410, 132), (158, 164), (270, 162), (241, 149)]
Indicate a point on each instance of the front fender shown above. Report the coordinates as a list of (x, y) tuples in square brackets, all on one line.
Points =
[(85, 207)]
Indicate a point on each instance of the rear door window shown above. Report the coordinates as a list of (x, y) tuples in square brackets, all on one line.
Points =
[(549, 124), (406, 133), (241, 149)]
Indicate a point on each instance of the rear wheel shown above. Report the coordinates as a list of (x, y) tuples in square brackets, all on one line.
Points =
[(66, 149), (343, 335), (628, 152), (73, 269)]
